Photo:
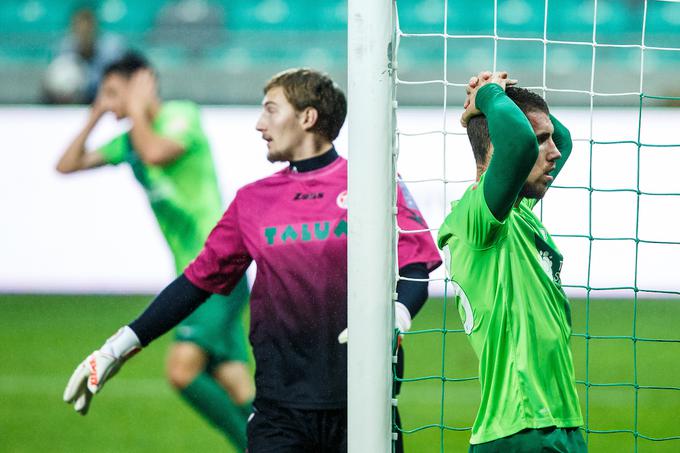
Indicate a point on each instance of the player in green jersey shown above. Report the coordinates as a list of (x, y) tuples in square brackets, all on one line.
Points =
[(506, 271), (170, 157)]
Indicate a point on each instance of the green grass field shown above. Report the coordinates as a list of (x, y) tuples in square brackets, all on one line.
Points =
[(42, 338)]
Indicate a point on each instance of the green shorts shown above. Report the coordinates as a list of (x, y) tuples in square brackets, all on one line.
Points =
[(551, 439), (217, 326)]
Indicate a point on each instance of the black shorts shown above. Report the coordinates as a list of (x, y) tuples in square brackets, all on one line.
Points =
[(275, 429)]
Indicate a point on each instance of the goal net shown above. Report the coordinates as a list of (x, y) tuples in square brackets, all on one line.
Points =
[(607, 70)]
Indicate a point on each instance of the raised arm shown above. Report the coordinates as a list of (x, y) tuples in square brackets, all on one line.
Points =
[(152, 148), (76, 157), (515, 149), (562, 139)]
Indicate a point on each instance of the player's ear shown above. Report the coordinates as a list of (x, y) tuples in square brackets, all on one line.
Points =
[(308, 118)]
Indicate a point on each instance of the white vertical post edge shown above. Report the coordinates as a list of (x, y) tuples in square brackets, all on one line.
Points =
[(371, 220)]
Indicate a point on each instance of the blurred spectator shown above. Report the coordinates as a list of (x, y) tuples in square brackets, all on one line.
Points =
[(194, 25), (73, 76)]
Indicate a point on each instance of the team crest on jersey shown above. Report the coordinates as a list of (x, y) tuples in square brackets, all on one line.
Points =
[(550, 259), (342, 200)]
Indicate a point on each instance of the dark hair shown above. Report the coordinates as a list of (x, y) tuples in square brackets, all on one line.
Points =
[(308, 88), (127, 65), (478, 127)]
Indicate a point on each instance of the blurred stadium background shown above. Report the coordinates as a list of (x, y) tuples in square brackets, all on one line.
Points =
[(220, 53), (229, 44)]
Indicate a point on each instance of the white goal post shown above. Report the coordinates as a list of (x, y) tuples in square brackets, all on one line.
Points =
[(371, 220)]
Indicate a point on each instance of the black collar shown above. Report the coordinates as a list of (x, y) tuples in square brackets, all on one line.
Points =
[(314, 163)]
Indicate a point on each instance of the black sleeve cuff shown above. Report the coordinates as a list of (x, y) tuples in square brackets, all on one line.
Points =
[(413, 294)]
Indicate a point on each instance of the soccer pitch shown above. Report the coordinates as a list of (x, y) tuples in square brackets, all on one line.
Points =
[(42, 338)]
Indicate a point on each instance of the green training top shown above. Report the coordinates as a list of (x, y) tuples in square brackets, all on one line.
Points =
[(507, 279), (184, 195)]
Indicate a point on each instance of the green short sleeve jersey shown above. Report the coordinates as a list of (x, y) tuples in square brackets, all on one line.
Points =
[(515, 313), (184, 195)]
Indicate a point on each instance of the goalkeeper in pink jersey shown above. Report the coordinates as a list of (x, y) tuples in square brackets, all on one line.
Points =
[(293, 224)]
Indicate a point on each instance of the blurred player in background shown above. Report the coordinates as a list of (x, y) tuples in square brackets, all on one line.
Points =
[(507, 269), (293, 224), (170, 156), (75, 73)]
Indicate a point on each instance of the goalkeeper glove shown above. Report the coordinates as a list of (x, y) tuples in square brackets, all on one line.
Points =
[(90, 376), (402, 321)]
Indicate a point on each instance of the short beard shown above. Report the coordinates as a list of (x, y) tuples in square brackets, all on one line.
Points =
[(532, 191), (276, 157)]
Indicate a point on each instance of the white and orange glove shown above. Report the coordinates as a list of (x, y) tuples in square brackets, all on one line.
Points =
[(402, 321), (90, 376)]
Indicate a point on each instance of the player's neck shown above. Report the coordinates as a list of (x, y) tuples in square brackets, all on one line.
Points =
[(480, 171), (310, 146), (316, 162), (481, 167)]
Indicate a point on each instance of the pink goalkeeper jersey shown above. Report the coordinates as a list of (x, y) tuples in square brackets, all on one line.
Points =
[(294, 226)]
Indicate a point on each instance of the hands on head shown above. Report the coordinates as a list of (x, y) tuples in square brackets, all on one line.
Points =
[(100, 106), (475, 83), (142, 92), (137, 97)]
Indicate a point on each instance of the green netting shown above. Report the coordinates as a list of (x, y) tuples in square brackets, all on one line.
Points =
[(626, 349)]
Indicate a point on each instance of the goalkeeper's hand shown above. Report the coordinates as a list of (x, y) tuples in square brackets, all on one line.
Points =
[(90, 376), (402, 321)]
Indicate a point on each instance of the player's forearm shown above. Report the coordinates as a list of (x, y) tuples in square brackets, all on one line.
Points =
[(151, 148), (562, 139), (515, 149), (144, 141), (73, 158), (177, 301), (413, 294)]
